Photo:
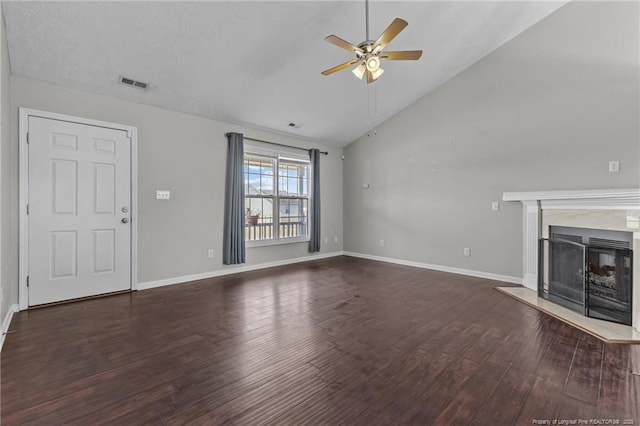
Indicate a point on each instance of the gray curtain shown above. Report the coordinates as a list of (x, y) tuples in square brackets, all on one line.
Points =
[(233, 250), (314, 242)]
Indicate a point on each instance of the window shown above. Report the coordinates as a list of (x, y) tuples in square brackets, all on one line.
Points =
[(276, 197)]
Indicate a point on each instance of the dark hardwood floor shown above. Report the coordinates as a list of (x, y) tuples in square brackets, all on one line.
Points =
[(341, 340)]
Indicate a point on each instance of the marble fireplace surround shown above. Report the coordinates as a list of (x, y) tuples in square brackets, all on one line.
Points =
[(612, 209)]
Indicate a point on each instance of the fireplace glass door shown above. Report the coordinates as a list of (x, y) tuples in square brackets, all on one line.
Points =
[(588, 271), (561, 274), (609, 284)]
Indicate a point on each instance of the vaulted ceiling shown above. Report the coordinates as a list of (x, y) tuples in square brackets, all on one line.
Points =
[(258, 63)]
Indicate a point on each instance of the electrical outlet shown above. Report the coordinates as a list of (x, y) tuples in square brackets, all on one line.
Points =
[(335, 239), (467, 251), (326, 240), (163, 195), (614, 166), (381, 243), (210, 253), (495, 206)]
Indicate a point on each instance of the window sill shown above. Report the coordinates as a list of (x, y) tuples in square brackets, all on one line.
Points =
[(265, 243)]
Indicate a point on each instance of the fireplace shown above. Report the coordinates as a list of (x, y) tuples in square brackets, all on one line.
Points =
[(588, 271), (604, 209)]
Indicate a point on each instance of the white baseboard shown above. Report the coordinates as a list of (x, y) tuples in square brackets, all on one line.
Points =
[(6, 322), (460, 271), (229, 270), (246, 268)]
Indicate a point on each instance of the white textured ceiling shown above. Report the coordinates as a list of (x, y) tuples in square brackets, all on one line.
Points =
[(258, 63)]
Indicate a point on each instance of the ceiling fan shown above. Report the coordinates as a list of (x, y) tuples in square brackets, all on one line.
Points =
[(369, 53)]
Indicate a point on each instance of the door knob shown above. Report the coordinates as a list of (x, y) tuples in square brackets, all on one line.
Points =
[(125, 220)]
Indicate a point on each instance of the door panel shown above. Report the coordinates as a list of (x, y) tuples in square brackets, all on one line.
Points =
[(104, 250), (65, 186), (104, 178), (79, 192), (63, 254)]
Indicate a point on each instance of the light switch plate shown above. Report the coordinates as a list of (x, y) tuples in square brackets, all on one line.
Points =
[(614, 166), (163, 195)]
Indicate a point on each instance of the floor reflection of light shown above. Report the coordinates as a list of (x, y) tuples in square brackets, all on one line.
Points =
[(272, 315)]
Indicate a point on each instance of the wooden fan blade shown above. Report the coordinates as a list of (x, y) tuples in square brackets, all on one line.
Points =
[(339, 67), (337, 41), (404, 55), (391, 32)]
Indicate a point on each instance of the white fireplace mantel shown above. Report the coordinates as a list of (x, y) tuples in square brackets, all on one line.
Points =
[(615, 199), (534, 202)]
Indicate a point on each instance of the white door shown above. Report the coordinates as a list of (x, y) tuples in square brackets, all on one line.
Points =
[(79, 210)]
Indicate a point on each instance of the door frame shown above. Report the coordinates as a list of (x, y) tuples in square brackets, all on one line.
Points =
[(23, 196)]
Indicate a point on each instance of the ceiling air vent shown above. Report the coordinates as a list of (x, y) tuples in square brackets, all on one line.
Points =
[(133, 83), (295, 125)]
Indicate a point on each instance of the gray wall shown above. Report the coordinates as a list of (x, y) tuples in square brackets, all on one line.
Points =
[(546, 111), (8, 252), (186, 155)]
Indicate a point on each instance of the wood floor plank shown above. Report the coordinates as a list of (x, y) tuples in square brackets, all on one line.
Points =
[(542, 402), (617, 394), (547, 391), (403, 395), (442, 388), (464, 407), (503, 406), (538, 343), (333, 341), (636, 390), (583, 383), (485, 345), (574, 409)]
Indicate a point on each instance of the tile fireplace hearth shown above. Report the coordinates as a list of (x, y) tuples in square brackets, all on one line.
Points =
[(598, 284)]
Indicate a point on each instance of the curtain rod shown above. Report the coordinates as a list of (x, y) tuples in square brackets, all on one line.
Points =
[(281, 144)]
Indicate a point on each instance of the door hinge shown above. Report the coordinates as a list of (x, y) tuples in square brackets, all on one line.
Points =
[(27, 280), (27, 209), (27, 137)]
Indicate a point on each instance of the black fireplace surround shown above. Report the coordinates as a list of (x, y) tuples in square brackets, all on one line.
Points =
[(588, 271)]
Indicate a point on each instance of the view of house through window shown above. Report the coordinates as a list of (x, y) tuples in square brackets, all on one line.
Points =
[(276, 197)]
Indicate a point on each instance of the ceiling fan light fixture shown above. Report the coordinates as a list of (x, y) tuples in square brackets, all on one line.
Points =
[(373, 63), (369, 53), (377, 73), (359, 71)]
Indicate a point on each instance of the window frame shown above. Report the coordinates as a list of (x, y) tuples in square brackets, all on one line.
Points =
[(288, 156)]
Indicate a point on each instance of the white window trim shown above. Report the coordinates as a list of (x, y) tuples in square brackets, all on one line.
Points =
[(264, 243), (268, 151)]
